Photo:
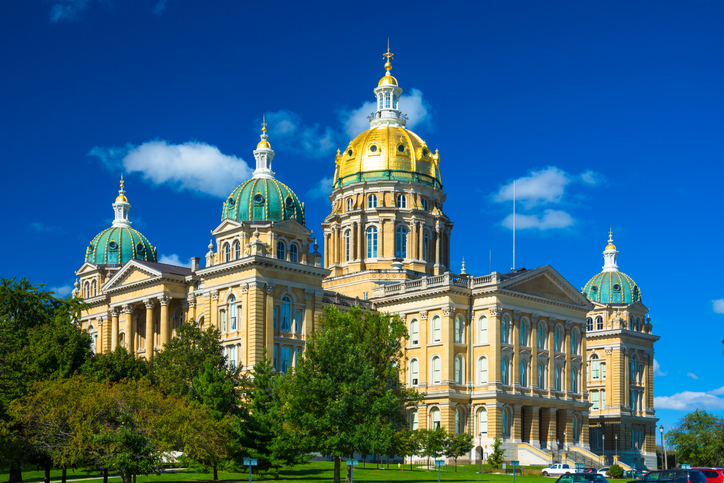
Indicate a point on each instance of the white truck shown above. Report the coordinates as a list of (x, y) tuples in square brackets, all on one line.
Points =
[(559, 469)]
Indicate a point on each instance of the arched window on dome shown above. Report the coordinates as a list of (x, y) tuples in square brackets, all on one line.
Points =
[(347, 243), (94, 288), (401, 201), (237, 250), (372, 201), (372, 242), (426, 246), (293, 253), (349, 204), (281, 250), (227, 252), (599, 323), (589, 324), (401, 242)]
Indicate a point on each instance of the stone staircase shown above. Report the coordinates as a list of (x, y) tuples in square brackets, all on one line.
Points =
[(533, 455), (577, 454)]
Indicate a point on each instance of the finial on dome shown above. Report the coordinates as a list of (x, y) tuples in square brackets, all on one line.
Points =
[(263, 123), (462, 272), (263, 143), (121, 193), (389, 55), (121, 180), (610, 245)]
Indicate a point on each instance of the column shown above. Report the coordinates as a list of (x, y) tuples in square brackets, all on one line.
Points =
[(494, 330), (381, 240), (626, 377), (149, 303), (438, 240), (517, 429), (114, 327), (584, 362), (131, 336), (495, 420), (551, 353), (568, 428), (308, 314), (353, 241), (361, 254), (327, 250), (214, 310), (448, 346), (534, 353), (515, 360), (244, 326), (257, 322), (609, 377), (552, 427), (420, 240), (650, 381), (192, 308), (413, 239), (163, 325), (584, 442), (534, 438), (269, 326), (567, 350)]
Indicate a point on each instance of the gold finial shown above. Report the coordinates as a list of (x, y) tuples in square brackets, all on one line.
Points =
[(463, 270), (121, 194), (610, 245), (263, 123), (121, 180), (389, 55)]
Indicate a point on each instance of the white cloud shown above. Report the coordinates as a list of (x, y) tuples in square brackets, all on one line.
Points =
[(690, 400), (173, 259), (549, 219), (160, 7), (67, 10), (538, 187), (194, 165), (321, 189), (657, 369), (413, 104), (692, 375), (43, 228), (287, 134), (718, 306), (62, 291)]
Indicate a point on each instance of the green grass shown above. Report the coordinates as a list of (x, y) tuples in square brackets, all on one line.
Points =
[(313, 472)]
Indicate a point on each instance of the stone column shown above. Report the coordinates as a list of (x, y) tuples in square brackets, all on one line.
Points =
[(354, 248), (269, 329), (361, 254), (584, 442), (327, 250), (517, 429), (115, 311), (131, 339), (584, 362), (534, 437), (413, 239), (448, 344), (494, 330), (567, 350), (149, 303), (624, 358), (214, 310), (192, 307), (438, 241), (552, 427), (495, 419), (534, 353), (308, 314), (515, 360), (610, 390), (163, 325), (551, 353)]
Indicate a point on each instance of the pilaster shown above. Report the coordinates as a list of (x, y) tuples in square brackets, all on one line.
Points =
[(115, 311), (269, 317), (551, 353), (533, 376), (494, 360), (448, 345), (163, 324), (515, 360)]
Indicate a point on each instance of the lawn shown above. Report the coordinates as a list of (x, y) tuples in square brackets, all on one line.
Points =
[(313, 472)]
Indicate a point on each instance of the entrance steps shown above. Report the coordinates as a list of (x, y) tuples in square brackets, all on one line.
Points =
[(533, 455)]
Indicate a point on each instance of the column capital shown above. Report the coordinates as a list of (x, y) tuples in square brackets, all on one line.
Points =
[(496, 310), (568, 324), (164, 299), (127, 309), (609, 350), (534, 317), (270, 288), (423, 314), (215, 294), (149, 303), (256, 284), (535, 408), (552, 320), (448, 310), (516, 314), (244, 287), (115, 311), (308, 294)]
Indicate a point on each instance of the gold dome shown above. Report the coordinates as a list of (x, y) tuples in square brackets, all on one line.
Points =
[(610, 245), (387, 80), (388, 152), (263, 144)]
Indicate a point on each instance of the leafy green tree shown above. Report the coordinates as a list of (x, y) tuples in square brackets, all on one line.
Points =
[(698, 439), (345, 395), (116, 366), (496, 458), (457, 446), (433, 443), (408, 443), (615, 471)]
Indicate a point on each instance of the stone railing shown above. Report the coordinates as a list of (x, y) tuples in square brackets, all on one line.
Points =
[(339, 299), (446, 279)]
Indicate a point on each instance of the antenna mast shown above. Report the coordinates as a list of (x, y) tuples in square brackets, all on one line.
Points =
[(513, 225)]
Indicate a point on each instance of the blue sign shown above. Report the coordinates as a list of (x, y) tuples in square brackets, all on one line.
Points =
[(352, 462), (439, 462), (250, 462)]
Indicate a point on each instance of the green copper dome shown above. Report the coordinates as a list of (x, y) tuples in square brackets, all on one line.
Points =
[(117, 245), (612, 288), (263, 199)]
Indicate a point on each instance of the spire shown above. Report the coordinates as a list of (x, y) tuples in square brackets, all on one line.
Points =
[(388, 95), (610, 254), (264, 154), (462, 272), (121, 208), (389, 55)]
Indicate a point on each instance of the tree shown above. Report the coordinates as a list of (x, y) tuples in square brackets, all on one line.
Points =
[(433, 443), (116, 366), (408, 443), (345, 395), (458, 445), (615, 471), (698, 439), (496, 458)]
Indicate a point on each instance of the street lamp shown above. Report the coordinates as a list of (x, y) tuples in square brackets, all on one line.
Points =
[(616, 436), (663, 444), (480, 467), (603, 443), (564, 439)]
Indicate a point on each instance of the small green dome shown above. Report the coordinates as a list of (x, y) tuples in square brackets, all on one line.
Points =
[(612, 287), (117, 245), (263, 199)]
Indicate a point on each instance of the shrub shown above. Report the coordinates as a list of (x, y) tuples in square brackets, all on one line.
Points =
[(615, 471)]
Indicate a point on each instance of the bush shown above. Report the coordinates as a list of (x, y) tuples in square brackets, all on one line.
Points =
[(615, 471)]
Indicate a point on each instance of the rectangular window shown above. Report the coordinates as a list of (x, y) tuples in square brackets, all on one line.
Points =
[(276, 318), (364, 295), (595, 368), (276, 357), (286, 358), (232, 357), (233, 319), (298, 320), (603, 398), (223, 321), (594, 400)]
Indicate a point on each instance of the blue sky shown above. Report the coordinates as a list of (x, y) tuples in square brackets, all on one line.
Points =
[(606, 114)]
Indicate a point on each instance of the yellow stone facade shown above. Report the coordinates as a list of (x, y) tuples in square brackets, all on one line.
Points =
[(497, 355)]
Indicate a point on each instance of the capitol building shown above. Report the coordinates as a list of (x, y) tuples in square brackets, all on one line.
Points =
[(558, 373)]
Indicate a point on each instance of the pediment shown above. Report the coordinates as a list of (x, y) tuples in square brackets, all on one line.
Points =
[(545, 282), (85, 268), (292, 225), (131, 274), (227, 224)]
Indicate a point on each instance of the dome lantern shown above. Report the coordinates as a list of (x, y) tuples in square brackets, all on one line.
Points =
[(121, 207), (388, 95), (610, 254), (264, 155)]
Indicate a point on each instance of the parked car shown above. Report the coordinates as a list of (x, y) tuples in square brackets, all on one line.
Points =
[(603, 471), (712, 475), (635, 474), (582, 478), (558, 469), (673, 476)]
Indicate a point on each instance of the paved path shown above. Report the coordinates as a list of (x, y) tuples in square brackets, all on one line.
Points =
[(69, 480)]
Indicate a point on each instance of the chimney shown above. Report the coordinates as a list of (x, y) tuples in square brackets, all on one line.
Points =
[(195, 263)]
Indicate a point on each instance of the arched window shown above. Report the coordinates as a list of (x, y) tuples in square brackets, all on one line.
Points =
[(94, 288), (459, 330), (483, 330), (237, 250), (435, 418), (574, 380), (541, 336), (424, 204), (86, 289), (504, 370), (632, 369), (638, 324), (506, 423), (415, 332), (458, 370), (574, 342), (459, 426), (94, 339), (281, 250), (223, 321), (483, 421), (349, 204), (524, 333), (401, 242), (372, 201), (227, 252), (232, 313), (589, 324), (541, 375), (558, 377), (524, 373), (372, 242), (436, 329), (401, 201), (482, 370), (414, 372), (595, 367), (413, 420), (293, 253), (575, 427), (599, 323), (425, 246), (436, 372), (299, 320), (558, 339), (387, 100), (347, 244), (504, 324), (286, 314)]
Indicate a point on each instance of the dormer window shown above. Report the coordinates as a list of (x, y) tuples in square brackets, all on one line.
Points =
[(401, 201), (401, 148), (374, 149), (350, 152), (140, 248), (259, 199), (290, 202)]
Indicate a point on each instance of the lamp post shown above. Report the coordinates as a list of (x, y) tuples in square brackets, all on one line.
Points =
[(663, 444), (480, 466), (603, 439), (616, 436), (564, 439)]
